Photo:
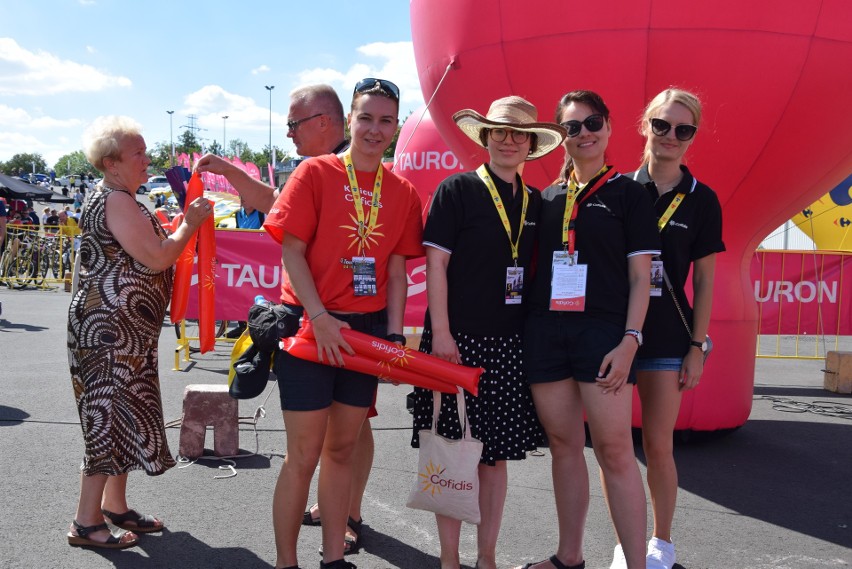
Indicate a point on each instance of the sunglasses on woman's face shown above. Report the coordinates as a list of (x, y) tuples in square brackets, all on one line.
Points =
[(593, 123), (369, 83), (683, 132)]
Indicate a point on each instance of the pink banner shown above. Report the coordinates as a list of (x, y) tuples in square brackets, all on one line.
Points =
[(248, 263), (803, 292)]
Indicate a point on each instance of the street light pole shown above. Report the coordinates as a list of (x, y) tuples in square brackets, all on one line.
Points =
[(271, 150), (224, 122), (172, 140)]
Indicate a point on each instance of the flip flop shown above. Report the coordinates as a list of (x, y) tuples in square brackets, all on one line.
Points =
[(134, 521), (81, 538)]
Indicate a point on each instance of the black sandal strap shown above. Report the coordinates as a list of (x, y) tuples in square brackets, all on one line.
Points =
[(355, 526), (84, 531), (559, 565)]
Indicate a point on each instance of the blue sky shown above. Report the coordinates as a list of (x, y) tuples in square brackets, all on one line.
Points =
[(65, 62)]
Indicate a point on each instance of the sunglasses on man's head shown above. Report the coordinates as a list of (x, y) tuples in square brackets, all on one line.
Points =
[(370, 83), (593, 123), (683, 132)]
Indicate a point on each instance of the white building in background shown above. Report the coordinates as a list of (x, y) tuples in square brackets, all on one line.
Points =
[(788, 237)]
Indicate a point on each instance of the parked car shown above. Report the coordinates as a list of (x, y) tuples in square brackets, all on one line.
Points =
[(67, 181), (153, 183), (41, 178)]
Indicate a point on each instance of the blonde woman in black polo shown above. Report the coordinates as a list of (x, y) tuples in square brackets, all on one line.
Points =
[(479, 240)]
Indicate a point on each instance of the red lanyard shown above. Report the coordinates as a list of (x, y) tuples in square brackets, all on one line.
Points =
[(572, 204)]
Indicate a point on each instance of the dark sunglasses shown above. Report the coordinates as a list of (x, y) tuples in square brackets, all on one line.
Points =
[(500, 134), (593, 123), (683, 132), (370, 83), (293, 125)]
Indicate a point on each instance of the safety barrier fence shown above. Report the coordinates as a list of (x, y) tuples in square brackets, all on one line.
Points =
[(36, 257)]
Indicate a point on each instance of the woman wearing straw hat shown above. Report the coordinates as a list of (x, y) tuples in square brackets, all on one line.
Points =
[(597, 235), (479, 239)]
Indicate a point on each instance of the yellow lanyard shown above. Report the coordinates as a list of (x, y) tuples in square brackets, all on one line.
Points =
[(483, 174), (678, 199), (570, 213), (364, 229)]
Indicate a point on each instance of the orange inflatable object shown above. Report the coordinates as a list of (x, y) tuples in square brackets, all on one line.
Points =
[(763, 74), (395, 356), (306, 349), (183, 273)]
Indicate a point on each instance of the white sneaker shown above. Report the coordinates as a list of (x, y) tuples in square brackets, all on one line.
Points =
[(618, 559), (661, 554)]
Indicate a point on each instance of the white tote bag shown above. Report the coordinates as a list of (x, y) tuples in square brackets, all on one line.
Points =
[(447, 472)]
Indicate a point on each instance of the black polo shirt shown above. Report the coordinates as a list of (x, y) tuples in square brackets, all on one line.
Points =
[(693, 232), (464, 222), (615, 223)]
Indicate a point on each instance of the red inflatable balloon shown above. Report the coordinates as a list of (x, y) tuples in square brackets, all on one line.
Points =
[(424, 159), (306, 349), (394, 356), (763, 73)]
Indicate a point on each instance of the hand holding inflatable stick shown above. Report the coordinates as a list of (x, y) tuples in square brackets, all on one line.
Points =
[(392, 361)]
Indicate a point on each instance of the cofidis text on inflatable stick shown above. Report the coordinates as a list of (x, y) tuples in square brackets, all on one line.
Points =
[(306, 349), (398, 356)]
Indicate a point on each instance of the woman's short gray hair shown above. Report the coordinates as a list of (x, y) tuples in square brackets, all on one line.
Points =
[(102, 138)]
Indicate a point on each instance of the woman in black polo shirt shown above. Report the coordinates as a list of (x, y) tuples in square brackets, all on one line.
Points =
[(479, 240), (589, 298), (672, 360)]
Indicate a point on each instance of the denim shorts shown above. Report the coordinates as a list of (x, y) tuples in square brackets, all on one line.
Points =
[(310, 386), (659, 364)]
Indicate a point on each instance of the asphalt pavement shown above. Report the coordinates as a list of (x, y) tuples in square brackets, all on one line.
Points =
[(773, 494)]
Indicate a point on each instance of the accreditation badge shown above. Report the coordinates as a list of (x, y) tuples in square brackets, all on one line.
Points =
[(568, 282), (656, 278), (364, 276), (514, 285)]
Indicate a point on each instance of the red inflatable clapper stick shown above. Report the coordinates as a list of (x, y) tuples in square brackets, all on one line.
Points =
[(206, 281), (183, 266), (306, 349), (395, 356)]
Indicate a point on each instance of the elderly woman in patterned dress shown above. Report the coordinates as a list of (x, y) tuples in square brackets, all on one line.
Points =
[(125, 282)]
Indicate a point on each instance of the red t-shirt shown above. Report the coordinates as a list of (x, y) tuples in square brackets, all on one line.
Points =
[(316, 207)]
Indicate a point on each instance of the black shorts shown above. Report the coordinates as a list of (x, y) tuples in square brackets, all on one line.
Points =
[(309, 386), (561, 345)]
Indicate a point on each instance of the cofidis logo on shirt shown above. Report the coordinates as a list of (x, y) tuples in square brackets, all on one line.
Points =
[(435, 481)]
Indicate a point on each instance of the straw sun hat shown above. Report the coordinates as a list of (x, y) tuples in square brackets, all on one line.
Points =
[(515, 113)]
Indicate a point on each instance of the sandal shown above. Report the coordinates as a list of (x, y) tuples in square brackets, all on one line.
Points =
[(558, 564), (309, 520), (351, 545), (81, 537), (339, 564), (133, 521)]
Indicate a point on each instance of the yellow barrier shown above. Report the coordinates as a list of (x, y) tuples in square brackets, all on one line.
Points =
[(34, 257)]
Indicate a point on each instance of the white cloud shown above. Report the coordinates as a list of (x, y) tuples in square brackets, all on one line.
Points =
[(259, 70), (210, 103), (91, 49), (398, 66), (19, 118), (23, 72)]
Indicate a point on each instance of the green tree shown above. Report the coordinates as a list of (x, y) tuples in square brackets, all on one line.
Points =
[(73, 163), (215, 148), (23, 163), (160, 157), (262, 158), (187, 143)]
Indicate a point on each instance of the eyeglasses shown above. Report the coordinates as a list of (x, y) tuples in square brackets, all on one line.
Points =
[(593, 123), (683, 132), (371, 83), (500, 134), (293, 125)]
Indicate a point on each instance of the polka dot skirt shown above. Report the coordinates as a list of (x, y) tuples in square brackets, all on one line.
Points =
[(502, 417)]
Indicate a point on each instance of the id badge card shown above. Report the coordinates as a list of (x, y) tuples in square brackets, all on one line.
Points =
[(364, 276), (514, 285), (568, 283), (656, 278)]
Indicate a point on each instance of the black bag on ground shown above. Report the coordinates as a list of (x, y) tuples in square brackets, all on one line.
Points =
[(268, 323)]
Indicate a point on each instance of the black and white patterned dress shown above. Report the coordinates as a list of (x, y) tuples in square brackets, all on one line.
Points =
[(114, 324)]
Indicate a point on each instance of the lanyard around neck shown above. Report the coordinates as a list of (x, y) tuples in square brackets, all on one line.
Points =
[(667, 215), (364, 228), (572, 203), (483, 174)]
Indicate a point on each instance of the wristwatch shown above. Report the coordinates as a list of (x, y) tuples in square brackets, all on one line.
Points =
[(396, 338), (702, 345), (635, 333)]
